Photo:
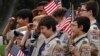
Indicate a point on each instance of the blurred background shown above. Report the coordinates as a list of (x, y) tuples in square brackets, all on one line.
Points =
[(10, 7)]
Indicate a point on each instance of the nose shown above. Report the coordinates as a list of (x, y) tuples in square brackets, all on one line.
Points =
[(39, 13), (18, 20), (80, 12)]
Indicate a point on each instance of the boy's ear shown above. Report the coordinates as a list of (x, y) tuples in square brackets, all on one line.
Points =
[(26, 19), (50, 29), (81, 27), (90, 11)]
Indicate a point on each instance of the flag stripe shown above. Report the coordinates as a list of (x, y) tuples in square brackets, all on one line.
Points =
[(52, 6), (65, 25), (15, 51), (9, 54)]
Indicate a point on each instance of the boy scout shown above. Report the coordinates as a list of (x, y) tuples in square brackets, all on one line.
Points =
[(36, 38), (80, 27), (90, 9), (54, 43)]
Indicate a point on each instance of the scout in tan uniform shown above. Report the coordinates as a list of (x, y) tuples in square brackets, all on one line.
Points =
[(80, 27), (23, 16), (37, 40), (90, 9), (55, 43)]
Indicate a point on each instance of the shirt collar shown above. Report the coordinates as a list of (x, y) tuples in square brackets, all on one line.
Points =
[(76, 39), (93, 21), (50, 38)]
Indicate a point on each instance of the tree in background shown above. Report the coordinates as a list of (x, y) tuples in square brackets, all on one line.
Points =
[(6, 5)]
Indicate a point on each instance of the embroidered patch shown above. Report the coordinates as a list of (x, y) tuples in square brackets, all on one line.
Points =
[(48, 45)]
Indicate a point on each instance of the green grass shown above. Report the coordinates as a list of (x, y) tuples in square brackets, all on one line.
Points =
[(2, 50)]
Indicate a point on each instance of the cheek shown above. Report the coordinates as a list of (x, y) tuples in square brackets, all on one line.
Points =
[(83, 14), (44, 32), (20, 22), (74, 30), (35, 24), (74, 33)]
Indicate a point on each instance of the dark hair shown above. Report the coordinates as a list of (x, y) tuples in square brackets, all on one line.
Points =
[(84, 21), (25, 13), (59, 12), (42, 3), (49, 22), (92, 5)]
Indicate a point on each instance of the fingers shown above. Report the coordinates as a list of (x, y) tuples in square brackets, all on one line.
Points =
[(72, 49), (30, 26), (58, 48), (11, 20)]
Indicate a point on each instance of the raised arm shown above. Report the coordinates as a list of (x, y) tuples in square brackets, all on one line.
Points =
[(27, 34), (10, 44), (8, 26)]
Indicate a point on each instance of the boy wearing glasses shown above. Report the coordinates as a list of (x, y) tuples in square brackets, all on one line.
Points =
[(90, 9)]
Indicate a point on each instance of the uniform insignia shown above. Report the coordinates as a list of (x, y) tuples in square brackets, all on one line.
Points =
[(48, 45)]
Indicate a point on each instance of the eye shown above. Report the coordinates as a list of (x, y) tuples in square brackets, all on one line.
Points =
[(83, 10)]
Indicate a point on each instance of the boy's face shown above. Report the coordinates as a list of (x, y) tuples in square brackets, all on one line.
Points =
[(41, 10), (36, 21), (75, 29), (84, 12), (58, 19), (21, 21), (19, 38), (45, 31)]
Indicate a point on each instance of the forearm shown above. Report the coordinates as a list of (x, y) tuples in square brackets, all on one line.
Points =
[(24, 39), (10, 43), (6, 29)]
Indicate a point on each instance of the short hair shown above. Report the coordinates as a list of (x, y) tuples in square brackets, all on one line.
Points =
[(25, 13), (92, 5), (49, 22), (59, 12), (84, 21), (42, 3)]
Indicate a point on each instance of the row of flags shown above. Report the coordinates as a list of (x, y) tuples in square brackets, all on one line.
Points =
[(63, 25)]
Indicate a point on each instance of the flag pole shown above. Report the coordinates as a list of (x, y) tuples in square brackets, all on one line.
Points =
[(72, 8)]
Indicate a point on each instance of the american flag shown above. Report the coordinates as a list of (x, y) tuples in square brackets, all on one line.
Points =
[(65, 24), (20, 53), (15, 51), (52, 6), (9, 54)]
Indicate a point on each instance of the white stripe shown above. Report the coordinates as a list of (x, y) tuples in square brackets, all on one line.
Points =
[(51, 7)]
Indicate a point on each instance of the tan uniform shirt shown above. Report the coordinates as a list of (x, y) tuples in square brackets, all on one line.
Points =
[(51, 44), (93, 36), (37, 44), (10, 34)]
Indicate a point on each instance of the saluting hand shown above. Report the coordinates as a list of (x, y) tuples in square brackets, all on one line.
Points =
[(30, 26), (11, 20)]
